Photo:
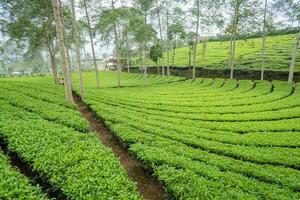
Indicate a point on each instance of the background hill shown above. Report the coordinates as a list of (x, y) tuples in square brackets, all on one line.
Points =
[(215, 54)]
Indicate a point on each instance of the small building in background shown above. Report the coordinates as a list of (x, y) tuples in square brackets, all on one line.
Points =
[(110, 63)]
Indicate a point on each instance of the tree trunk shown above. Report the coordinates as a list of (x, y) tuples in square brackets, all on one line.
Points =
[(190, 60), (161, 36), (117, 48), (144, 50), (233, 38), (52, 60), (92, 42), (141, 58), (127, 53), (173, 56), (196, 39), (85, 57), (168, 41), (129, 59), (77, 47), (264, 42), (63, 51), (292, 67), (5, 56), (204, 50), (65, 41)]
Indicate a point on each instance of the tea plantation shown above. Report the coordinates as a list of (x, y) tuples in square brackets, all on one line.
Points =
[(213, 139), (53, 139), (215, 54), (201, 139)]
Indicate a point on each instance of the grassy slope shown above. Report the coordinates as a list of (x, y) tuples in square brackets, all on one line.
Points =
[(248, 54)]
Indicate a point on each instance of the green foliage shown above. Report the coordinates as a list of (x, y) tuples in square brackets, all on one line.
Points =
[(13, 185), (141, 32), (74, 162), (155, 52), (12, 92), (210, 138)]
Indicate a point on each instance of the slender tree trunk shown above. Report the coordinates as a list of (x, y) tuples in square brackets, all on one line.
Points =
[(92, 42), (141, 58), (190, 61), (63, 50), (196, 39), (144, 50), (292, 67), (66, 41), (77, 46), (129, 59), (71, 57), (264, 42), (161, 36), (127, 54), (233, 38), (168, 41), (52, 60), (117, 48), (204, 50), (145, 67), (5, 56), (173, 56), (85, 57)]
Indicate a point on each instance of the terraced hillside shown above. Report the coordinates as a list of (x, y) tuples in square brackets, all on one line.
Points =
[(212, 139), (248, 54)]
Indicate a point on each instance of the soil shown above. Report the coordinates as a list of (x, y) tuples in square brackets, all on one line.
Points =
[(147, 184)]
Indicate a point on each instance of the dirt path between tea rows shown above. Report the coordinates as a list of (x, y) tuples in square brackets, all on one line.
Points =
[(147, 184)]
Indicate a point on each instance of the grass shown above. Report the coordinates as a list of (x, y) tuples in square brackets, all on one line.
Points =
[(248, 54)]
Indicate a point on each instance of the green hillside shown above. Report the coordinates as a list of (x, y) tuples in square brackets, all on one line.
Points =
[(248, 54)]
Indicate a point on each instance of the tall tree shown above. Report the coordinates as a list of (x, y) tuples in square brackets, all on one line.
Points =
[(176, 33), (77, 46), (245, 13), (264, 41), (295, 6), (144, 6), (196, 36), (206, 12), (234, 29), (291, 9), (32, 23), (85, 6), (142, 33), (168, 5), (294, 56), (158, 12), (155, 54), (63, 50), (117, 49)]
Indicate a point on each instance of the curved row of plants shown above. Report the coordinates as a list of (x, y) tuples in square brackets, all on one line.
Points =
[(50, 143), (210, 148)]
